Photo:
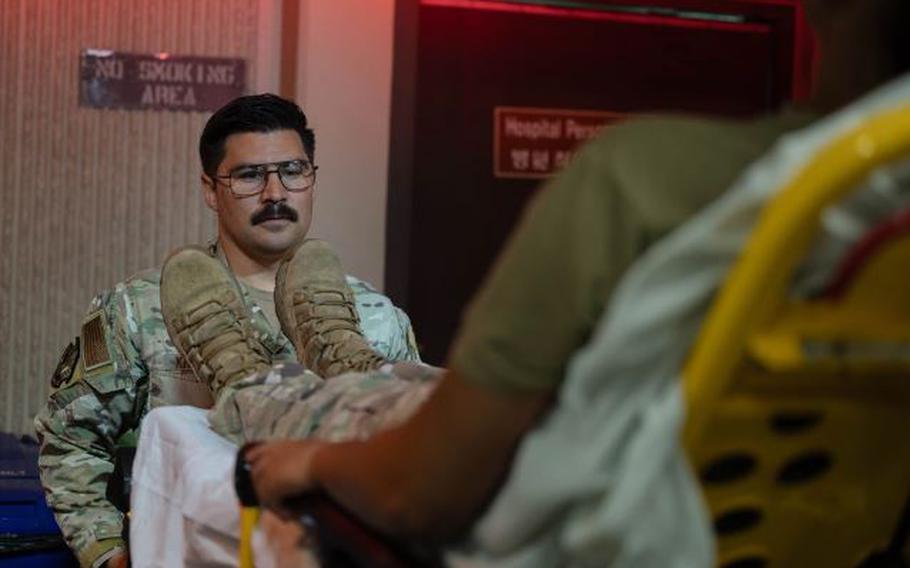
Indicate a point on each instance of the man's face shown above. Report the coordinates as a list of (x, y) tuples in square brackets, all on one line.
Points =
[(266, 226)]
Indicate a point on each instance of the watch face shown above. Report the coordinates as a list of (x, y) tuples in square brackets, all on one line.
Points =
[(67, 365)]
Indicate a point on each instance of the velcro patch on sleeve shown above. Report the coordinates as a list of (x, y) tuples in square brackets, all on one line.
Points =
[(67, 365), (95, 352)]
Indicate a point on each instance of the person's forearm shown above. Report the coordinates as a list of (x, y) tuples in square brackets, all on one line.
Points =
[(431, 476), (91, 524), (74, 463)]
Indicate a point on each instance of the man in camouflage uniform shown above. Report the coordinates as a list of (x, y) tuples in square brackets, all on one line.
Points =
[(123, 362)]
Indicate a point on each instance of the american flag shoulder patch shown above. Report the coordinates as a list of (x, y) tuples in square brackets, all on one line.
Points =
[(95, 352)]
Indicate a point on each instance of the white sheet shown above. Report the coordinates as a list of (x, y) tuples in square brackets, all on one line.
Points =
[(184, 509)]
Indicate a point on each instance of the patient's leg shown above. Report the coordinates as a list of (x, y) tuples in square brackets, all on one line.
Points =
[(287, 401), (207, 320), (316, 309), (210, 326)]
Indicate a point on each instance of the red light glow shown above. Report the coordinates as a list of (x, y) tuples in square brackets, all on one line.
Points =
[(581, 14)]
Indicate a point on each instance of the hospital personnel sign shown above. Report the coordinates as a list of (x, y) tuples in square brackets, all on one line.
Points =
[(531, 142), (160, 81)]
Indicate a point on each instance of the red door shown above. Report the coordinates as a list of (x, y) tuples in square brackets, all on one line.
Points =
[(451, 204)]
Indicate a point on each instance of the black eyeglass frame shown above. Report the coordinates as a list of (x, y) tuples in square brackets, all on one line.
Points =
[(268, 168)]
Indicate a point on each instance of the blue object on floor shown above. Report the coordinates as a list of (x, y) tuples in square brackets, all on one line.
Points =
[(29, 536)]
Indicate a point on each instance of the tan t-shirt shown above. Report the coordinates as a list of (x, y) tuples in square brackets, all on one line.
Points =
[(631, 186), (266, 301)]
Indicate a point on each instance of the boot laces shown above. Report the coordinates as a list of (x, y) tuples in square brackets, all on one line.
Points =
[(330, 325), (220, 342)]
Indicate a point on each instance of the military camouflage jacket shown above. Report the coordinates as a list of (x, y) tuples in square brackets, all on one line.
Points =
[(122, 365)]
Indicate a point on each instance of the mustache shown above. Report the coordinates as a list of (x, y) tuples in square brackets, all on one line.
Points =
[(274, 210)]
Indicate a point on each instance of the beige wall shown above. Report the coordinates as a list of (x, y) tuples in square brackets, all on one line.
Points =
[(344, 86), (90, 196)]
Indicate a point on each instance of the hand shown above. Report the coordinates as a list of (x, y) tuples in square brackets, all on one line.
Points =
[(282, 469), (119, 560)]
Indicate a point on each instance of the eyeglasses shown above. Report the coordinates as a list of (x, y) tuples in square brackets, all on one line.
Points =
[(246, 181)]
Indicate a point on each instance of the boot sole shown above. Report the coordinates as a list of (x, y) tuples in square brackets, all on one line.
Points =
[(171, 332), (282, 310)]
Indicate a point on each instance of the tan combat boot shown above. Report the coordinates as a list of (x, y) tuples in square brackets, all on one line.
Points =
[(316, 309), (207, 319)]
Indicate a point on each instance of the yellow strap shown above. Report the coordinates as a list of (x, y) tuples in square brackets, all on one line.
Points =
[(249, 516)]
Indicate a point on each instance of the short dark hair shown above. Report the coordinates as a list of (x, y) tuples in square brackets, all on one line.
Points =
[(252, 113)]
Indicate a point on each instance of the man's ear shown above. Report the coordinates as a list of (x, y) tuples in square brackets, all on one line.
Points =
[(209, 192)]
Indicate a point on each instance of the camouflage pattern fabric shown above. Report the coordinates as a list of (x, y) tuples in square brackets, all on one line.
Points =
[(126, 365), (290, 402)]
